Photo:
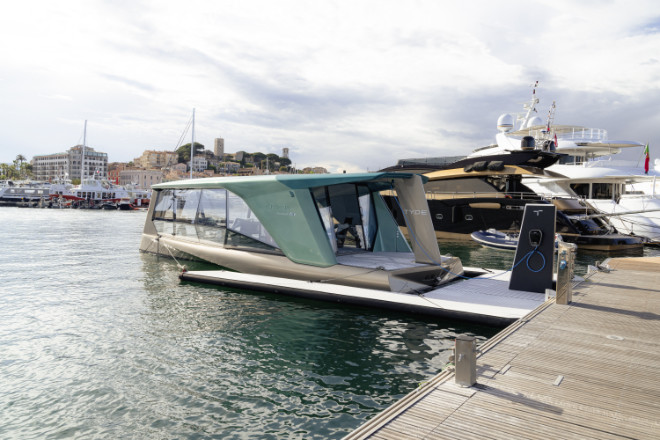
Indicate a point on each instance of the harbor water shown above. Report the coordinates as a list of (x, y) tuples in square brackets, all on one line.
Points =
[(98, 340)]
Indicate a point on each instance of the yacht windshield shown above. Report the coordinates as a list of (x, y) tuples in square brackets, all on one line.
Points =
[(214, 216)]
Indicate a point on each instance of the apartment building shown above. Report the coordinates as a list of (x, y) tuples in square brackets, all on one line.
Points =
[(76, 163)]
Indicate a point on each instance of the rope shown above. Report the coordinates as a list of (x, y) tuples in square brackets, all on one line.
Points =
[(185, 131), (157, 240), (180, 266)]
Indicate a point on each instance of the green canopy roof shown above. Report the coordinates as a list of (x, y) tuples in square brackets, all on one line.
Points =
[(376, 181)]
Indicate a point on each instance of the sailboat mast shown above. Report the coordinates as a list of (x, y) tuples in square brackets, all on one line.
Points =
[(82, 154), (192, 145)]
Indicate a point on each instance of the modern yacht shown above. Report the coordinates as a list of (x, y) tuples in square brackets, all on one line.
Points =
[(330, 237), (490, 192), (626, 189), (623, 198)]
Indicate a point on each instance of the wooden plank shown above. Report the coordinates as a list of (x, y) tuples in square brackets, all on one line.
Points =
[(579, 415), (604, 346), (549, 425)]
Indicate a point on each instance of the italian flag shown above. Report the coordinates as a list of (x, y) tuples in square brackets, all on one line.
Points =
[(647, 160)]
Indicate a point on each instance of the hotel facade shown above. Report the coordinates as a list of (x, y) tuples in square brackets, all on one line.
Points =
[(71, 164)]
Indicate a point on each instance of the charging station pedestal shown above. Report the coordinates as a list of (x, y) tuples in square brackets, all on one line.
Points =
[(565, 264), (533, 263), (465, 360)]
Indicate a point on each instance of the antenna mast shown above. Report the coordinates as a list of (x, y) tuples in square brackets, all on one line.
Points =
[(530, 107), (551, 118), (192, 145), (82, 154)]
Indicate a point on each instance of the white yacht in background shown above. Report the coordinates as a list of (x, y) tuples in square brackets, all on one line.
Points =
[(138, 197), (23, 193), (622, 188), (94, 191)]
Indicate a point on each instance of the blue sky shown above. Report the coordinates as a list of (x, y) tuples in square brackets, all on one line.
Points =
[(347, 85)]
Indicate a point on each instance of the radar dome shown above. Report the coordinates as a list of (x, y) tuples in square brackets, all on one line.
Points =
[(534, 121), (505, 123)]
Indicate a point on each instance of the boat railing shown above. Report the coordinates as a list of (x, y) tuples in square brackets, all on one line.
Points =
[(613, 163), (574, 134), (440, 195), (577, 134)]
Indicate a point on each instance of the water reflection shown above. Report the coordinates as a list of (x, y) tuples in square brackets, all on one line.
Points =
[(99, 340), (475, 255), (288, 361)]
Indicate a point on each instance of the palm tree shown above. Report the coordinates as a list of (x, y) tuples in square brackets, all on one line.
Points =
[(20, 159)]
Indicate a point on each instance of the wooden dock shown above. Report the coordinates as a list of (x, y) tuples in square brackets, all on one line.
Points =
[(587, 370)]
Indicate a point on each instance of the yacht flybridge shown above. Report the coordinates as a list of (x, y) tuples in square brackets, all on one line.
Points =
[(580, 144), (331, 237)]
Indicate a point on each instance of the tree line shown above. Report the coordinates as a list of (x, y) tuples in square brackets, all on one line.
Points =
[(19, 169), (258, 159)]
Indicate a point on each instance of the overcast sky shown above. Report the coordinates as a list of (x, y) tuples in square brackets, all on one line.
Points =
[(348, 85)]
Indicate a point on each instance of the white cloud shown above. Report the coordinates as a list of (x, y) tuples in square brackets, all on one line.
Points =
[(343, 84)]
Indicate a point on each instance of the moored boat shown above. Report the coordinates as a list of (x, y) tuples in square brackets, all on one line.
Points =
[(485, 192), (496, 239), (501, 239), (27, 193), (328, 237), (626, 189)]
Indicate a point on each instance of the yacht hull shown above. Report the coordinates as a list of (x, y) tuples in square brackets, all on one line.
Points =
[(391, 272), (459, 218)]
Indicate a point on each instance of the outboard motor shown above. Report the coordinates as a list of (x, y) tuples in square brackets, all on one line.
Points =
[(527, 143)]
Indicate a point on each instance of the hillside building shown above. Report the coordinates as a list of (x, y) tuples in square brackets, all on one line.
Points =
[(140, 178), (152, 159), (219, 148), (199, 163)]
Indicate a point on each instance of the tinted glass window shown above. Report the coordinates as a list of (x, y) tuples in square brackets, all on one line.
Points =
[(347, 214), (242, 220), (163, 209)]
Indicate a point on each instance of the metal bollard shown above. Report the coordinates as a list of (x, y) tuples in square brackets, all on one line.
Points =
[(465, 359), (565, 263)]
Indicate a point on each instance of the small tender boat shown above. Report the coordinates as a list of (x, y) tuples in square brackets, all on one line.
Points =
[(496, 239), (501, 240), (125, 204), (108, 205)]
